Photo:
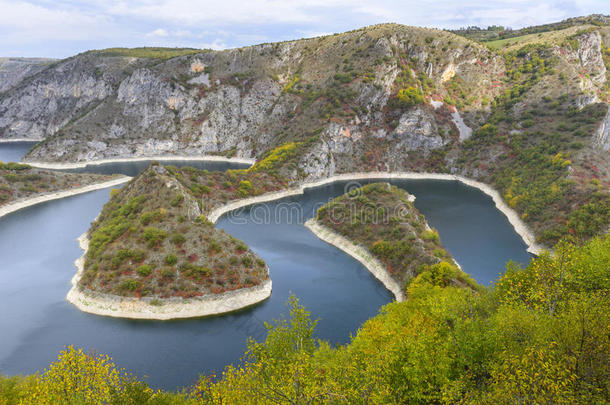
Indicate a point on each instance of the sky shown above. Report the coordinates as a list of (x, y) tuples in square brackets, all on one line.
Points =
[(61, 28)]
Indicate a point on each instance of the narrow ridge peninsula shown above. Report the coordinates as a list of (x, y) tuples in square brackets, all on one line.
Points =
[(379, 225), (151, 254), (22, 185)]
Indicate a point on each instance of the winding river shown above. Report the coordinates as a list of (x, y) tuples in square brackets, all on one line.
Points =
[(38, 247)]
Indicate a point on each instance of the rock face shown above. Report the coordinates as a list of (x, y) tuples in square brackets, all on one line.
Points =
[(602, 138), (243, 102), (15, 70)]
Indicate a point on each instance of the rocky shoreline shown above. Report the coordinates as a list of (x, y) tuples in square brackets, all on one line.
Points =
[(17, 205), (359, 253), (78, 165), (513, 217), (12, 140), (163, 309)]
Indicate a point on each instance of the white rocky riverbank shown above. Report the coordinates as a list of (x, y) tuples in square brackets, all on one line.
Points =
[(359, 253), (12, 140), (163, 309), (17, 205), (77, 165)]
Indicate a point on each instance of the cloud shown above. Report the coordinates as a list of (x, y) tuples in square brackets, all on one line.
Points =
[(216, 45), (159, 32), (63, 27)]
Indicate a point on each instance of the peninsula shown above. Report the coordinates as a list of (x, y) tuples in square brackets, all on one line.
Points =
[(379, 226), (151, 254)]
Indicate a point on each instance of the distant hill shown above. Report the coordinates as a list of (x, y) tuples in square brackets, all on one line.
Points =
[(495, 32)]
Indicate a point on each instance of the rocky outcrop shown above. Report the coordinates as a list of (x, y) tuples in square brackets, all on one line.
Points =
[(14, 70), (602, 137), (53, 98)]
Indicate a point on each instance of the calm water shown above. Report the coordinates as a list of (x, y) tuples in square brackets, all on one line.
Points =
[(38, 247), (14, 151)]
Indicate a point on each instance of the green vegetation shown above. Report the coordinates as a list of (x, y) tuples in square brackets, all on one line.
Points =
[(381, 218), (495, 33), (147, 243), (534, 169), (20, 181), (148, 52), (539, 336)]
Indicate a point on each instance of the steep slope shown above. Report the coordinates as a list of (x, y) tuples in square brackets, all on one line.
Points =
[(151, 241), (246, 101), (14, 70)]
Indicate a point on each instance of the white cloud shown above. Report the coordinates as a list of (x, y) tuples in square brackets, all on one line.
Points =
[(216, 45), (64, 27), (159, 32)]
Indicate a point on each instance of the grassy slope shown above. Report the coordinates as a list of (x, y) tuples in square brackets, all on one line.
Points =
[(550, 37), (150, 241), (498, 33)]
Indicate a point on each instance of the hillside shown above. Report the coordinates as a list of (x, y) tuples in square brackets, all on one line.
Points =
[(16, 70), (499, 33), (382, 219), (20, 181), (245, 101), (151, 241)]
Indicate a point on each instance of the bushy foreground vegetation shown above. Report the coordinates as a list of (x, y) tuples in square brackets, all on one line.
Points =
[(381, 218), (539, 336)]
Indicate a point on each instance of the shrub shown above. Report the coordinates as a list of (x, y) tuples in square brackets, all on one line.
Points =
[(215, 246), (152, 216), (137, 256), (247, 261), (244, 188), (408, 97), (129, 285), (177, 200), (178, 239), (168, 273), (144, 270), (153, 236), (430, 235), (171, 259)]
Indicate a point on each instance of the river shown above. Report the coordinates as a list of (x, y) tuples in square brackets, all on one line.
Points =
[(38, 248)]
